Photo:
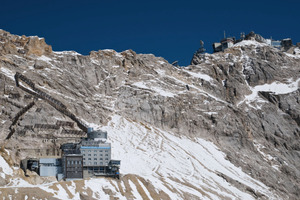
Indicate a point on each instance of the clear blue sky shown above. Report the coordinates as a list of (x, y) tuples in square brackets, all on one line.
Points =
[(170, 29)]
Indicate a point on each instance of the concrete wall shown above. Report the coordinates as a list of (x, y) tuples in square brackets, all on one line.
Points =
[(50, 170)]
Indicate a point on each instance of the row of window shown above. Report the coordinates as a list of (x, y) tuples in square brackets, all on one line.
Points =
[(93, 150), (94, 154), (95, 163), (76, 162), (96, 159)]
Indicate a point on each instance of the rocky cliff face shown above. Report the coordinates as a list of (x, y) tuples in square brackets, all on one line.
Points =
[(245, 100)]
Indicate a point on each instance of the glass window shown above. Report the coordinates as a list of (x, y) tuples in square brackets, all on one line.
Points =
[(101, 158), (95, 154), (95, 163), (83, 154), (89, 151), (95, 158), (84, 163), (90, 155), (82, 151), (101, 163), (101, 154), (106, 154), (83, 158), (95, 150), (106, 158), (89, 159), (68, 162), (79, 162), (106, 150), (101, 151)]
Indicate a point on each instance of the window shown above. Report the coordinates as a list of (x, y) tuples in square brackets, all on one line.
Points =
[(84, 163), (89, 159), (95, 150), (106, 154), (106, 150), (95, 163), (101, 154), (95, 158), (95, 154), (90, 155), (83, 154), (83, 158), (101, 163), (82, 151), (89, 150), (101, 151), (72, 162), (79, 162), (68, 162), (101, 158), (106, 158)]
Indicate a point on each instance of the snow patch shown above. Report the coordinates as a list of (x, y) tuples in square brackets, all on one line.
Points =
[(73, 53), (250, 43), (200, 75), (158, 90), (6, 169), (8, 73), (275, 87), (44, 58), (161, 62)]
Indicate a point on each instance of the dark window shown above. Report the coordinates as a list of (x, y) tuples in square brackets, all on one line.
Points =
[(83, 158), (95, 158), (90, 155), (89, 159), (95, 163), (106, 158), (95, 154), (106, 154), (101, 158)]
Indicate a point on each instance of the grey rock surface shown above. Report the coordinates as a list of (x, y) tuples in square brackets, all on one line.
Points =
[(224, 97)]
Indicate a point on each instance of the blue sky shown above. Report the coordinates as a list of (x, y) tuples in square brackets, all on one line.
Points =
[(170, 29)]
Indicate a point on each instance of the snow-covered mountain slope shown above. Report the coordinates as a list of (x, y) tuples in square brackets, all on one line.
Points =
[(155, 165), (225, 127)]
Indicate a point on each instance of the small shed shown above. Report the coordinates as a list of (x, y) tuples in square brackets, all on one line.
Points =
[(227, 43), (276, 44)]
